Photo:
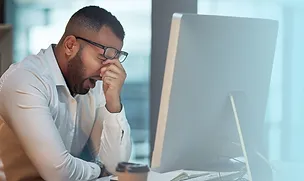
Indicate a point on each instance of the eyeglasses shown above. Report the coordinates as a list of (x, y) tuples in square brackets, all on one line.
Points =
[(109, 52)]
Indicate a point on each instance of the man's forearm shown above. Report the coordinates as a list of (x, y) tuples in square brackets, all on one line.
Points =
[(110, 138)]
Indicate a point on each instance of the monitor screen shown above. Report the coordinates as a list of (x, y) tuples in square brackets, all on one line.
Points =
[(208, 59)]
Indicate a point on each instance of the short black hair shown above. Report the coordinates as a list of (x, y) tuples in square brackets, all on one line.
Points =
[(94, 18)]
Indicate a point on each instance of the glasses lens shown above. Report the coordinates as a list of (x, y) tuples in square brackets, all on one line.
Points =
[(110, 53), (122, 57)]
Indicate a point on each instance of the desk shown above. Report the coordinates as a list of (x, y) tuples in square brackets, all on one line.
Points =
[(283, 171), (153, 176)]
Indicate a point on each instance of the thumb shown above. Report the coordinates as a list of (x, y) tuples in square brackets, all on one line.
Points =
[(104, 86)]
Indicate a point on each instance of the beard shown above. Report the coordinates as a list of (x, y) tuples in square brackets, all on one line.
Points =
[(76, 75)]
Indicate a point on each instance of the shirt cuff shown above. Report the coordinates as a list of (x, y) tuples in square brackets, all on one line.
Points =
[(115, 118), (96, 170)]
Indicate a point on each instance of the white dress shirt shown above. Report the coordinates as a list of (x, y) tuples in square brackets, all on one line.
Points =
[(43, 129)]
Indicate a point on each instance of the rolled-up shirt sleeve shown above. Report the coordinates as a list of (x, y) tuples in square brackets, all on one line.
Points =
[(110, 139), (28, 115)]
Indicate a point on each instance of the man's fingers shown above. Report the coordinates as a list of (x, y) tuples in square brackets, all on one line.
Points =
[(115, 69), (111, 74), (103, 70), (114, 61), (107, 80), (112, 68), (111, 82)]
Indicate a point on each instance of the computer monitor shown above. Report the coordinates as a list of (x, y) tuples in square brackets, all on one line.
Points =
[(6, 47), (210, 58)]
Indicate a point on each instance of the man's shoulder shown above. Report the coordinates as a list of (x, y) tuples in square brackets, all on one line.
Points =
[(18, 76), (25, 73), (35, 65)]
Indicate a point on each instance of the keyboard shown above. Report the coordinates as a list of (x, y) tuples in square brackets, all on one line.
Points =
[(216, 176)]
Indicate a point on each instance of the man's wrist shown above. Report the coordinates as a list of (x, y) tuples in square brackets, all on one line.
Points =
[(114, 108), (114, 105), (103, 170)]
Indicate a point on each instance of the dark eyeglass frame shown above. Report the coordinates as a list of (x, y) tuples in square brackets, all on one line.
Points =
[(117, 55)]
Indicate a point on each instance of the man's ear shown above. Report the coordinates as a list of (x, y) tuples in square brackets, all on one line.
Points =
[(71, 46)]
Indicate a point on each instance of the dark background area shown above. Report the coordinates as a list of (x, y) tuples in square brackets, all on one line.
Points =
[(1, 11)]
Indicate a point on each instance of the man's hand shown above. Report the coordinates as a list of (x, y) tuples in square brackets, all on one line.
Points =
[(113, 76)]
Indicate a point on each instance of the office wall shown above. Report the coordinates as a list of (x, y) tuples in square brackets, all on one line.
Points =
[(292, 124), (162, 12), (287, 85)]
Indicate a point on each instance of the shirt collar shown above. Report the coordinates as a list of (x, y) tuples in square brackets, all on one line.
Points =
[(54, 67)]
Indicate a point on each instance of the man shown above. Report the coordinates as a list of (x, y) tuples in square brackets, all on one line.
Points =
[(53, 109)]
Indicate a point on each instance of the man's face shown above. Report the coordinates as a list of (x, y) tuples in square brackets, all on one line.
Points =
[(84, 67)]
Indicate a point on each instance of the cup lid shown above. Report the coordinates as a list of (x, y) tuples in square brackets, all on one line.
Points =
[(132, 167), (138, 168), (121, 167)]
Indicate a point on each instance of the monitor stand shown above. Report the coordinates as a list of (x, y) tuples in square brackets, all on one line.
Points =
[(238, 100), (257, 166), (237, 107)]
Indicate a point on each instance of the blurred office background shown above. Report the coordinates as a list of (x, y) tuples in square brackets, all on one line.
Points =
[(37, 23)]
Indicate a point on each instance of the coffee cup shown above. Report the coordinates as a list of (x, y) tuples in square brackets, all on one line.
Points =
[(132, 172)]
